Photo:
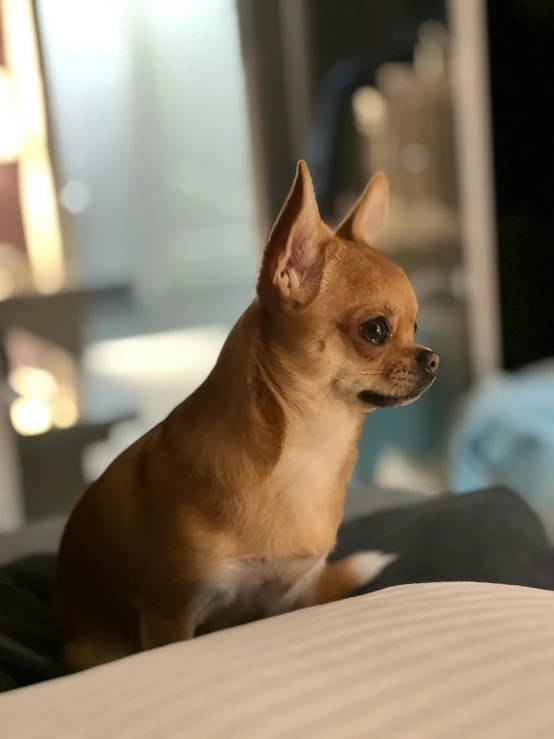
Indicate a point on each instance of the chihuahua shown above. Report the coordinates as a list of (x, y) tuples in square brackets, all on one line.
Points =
[(226, 511)]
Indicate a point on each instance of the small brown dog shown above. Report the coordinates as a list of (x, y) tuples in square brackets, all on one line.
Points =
[(225, 512)]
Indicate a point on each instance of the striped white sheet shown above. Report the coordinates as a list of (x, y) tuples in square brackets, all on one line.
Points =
[(444, 661)]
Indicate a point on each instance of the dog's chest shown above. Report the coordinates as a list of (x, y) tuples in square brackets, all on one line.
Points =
[(316, 457), (249, 588)]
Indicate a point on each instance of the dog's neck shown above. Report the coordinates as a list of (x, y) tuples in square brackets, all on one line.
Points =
[(263, 373), (253, 405)]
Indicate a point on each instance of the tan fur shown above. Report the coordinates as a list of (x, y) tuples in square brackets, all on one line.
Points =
[(226, 511)]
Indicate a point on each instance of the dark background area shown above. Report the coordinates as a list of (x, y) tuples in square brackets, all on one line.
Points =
[(521, 40)]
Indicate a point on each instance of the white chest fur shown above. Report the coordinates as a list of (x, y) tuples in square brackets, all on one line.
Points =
[(249, 588)]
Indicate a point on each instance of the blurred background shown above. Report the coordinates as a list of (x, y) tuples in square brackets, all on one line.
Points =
[(146, 147)]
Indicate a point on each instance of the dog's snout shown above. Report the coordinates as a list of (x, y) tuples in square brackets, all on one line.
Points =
[(429, 361)]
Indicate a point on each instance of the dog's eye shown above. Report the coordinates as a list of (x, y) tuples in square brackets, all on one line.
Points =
[(377, 330)]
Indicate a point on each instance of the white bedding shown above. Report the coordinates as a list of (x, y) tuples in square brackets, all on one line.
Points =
[(444, 661)]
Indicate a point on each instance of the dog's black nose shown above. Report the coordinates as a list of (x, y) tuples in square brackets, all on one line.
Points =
[(429, 361)]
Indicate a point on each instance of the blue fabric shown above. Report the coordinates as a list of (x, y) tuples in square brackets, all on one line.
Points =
[(505, 435)]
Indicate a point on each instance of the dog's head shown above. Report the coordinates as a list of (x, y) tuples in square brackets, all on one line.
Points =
[(339, 311)]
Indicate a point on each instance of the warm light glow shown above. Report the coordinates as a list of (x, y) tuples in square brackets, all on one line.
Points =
[(33, 382), (370, 109), (36, 183), (30, 417), (43, 403), (9, 128), (65, 411)]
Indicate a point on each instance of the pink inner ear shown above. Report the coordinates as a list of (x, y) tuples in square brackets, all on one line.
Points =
[(295, 260), (297, 256), (299, 268), (287, 275)]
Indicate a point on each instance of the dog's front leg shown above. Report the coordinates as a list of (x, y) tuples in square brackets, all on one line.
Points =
[(157, 629), (180, 623)]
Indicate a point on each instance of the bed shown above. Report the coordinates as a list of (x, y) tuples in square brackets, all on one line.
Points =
[(444, 661), (440, 658)]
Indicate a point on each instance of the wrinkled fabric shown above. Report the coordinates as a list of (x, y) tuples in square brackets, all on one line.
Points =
[(505, 435), (29, 650)]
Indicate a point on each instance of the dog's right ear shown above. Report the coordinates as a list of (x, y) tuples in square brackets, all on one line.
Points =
[(293, 258), (366, 218)]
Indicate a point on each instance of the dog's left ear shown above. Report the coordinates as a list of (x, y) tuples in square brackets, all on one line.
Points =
[(366, 218)]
